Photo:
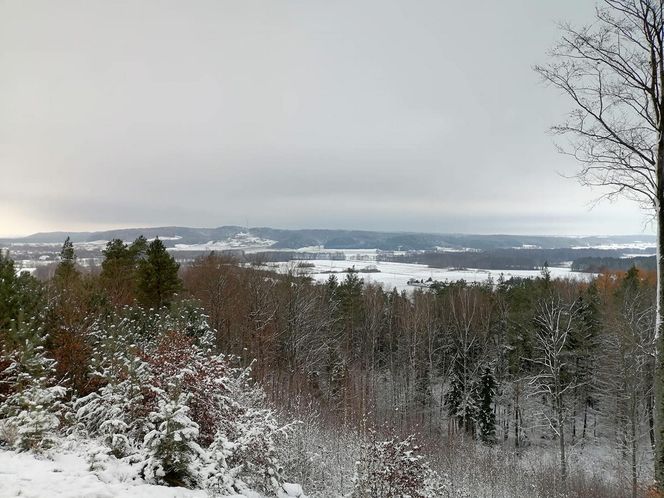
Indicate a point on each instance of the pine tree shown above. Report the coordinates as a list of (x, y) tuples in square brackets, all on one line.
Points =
[(119, 268), (8, 296), (171, 451), (32, 408), (158, 279), (462, 400), (20, 293), (253, 460), (486, 418), (66, 269), (220, 478), (115, 411)]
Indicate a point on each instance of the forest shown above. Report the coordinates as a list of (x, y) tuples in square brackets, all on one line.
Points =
[(226, 377)]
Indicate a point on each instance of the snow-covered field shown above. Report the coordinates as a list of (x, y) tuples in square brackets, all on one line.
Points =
[(397, 275), (243, 241), (638, 245)]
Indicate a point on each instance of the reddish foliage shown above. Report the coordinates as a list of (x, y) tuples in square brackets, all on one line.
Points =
[(202, 377), (654, 492), (72, 355)]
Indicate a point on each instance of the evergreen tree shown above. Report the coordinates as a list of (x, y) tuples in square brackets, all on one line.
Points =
[(119, 268), (172, 453), (138, 248), (349, 293), (32, 407), (486, 418), (8, 295), (462, 400), (20, 294), (115, 410), (158, 279), (220, 479), (66, 269)]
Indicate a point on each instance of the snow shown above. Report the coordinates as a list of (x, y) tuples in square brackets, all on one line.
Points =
[(638, 254), (162, 237), (289, 490), (397, 274), (456, 249), (67, 475), (244, 241), (27, 269), (638, 245)]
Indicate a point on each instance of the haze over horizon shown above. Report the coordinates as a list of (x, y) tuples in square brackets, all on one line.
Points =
[(353, 115), (153, 227)]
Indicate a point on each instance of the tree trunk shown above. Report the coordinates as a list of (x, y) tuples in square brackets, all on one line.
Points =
[(517, 408), (585, 420), (651, 420), (561, 439), (634, 449), (659, 314), (659, 323)]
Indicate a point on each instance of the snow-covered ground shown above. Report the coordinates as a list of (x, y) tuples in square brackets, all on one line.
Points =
[(243, 241), (397, 275), (91, 245), (639, 245), (65, 472), (68, 475)]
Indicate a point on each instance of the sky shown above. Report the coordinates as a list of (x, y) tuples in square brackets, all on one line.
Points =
[(358, 114)]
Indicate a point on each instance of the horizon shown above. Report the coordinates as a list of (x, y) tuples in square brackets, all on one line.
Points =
[(290, 114), (157, 227)]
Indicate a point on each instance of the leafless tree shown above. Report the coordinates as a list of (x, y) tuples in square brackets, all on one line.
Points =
[(613, 72), (554, 321), (625, 379)]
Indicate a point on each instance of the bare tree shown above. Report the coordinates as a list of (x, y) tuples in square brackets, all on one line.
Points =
[(554, 321), (613, 72), (626, 374)]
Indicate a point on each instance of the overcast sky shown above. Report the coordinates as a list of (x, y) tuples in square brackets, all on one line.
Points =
[(375, 114)]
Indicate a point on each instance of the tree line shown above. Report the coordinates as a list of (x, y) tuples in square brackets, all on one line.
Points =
[(512, 362)]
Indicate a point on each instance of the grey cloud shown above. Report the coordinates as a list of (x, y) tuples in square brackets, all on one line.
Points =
[(375, 114)]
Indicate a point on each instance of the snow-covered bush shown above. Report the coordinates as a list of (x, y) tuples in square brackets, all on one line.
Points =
[(31, 408), (172, 454), (116, 410), (394, 469), (204, 376), (253, 459), (34, 414), (146, 326), (242, 436), (165, 403)]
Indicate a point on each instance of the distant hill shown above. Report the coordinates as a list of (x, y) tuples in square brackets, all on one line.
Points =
[(273, 238)]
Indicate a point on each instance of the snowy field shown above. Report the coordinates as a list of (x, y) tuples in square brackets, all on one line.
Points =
[(397, 275), (650, 247)]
